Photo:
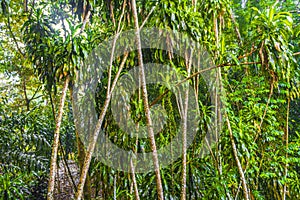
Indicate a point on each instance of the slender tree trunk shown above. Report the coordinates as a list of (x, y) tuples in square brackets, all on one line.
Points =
[(146, 104), (219, 124), (53, 164), (81, 156), (216, 31), (240, 169), (91, 147), (58, 178), (27, 101), (236, 28), (218, 90), (67, 168), (86, 162), (25, 7), (136, 191), (90, 150), (243, 3), (81, 151), (287, 146), (115, 187), (185, 115)]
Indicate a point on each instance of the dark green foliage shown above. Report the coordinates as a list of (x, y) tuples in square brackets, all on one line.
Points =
[(24, 151)]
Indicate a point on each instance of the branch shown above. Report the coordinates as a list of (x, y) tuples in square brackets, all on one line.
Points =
[(197, 73), (236, 27), (27, 101), (146, 19), (296, 54), (85, 21), (35, 93), (247, 54), (13, 37), (119, 29)]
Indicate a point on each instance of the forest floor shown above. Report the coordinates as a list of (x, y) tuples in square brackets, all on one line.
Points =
[(66, 180)]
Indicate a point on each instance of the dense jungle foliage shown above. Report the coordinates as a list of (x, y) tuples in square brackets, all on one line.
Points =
[(255, 54)]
